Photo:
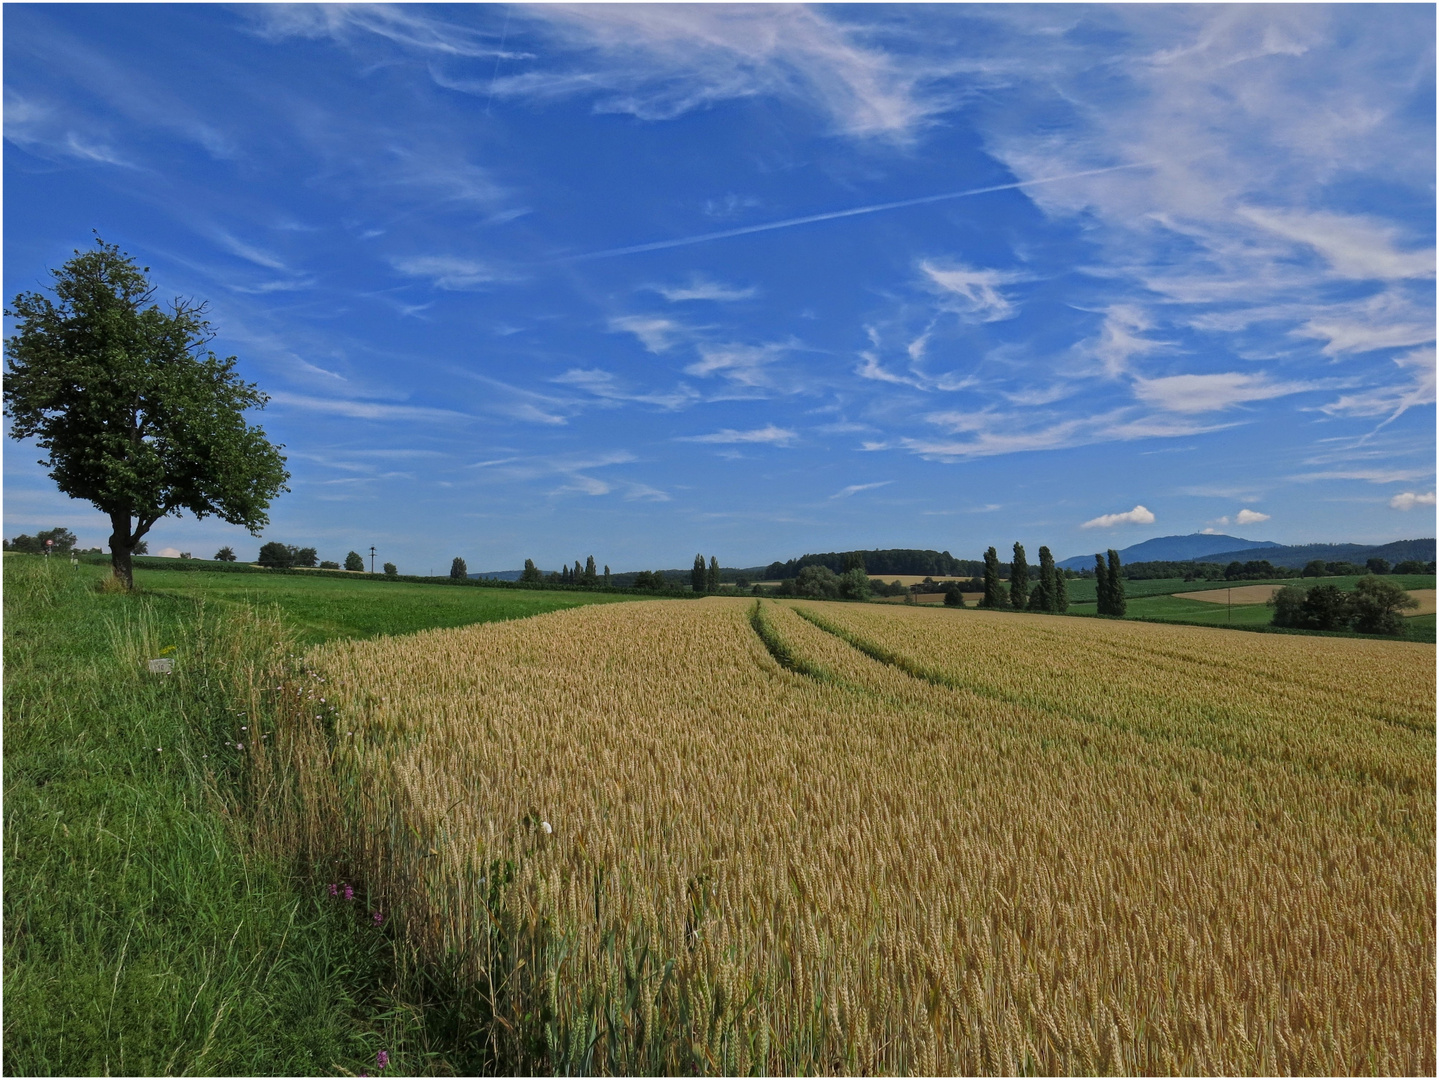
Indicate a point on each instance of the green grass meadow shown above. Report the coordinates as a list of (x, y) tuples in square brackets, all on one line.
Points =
[(143, 933), (321, 607)]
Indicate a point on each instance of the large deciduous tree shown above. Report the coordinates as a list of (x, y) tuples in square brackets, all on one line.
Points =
[(138, 416)]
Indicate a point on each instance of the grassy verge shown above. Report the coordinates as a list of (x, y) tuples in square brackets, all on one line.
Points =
[(142, 935)]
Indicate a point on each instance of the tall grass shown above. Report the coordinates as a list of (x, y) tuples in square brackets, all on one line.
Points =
[(711, 838), (143, 932)]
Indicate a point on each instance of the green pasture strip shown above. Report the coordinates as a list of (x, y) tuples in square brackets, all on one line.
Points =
[(141, 934), (1172, 609), (1081, 590), (322, 607)]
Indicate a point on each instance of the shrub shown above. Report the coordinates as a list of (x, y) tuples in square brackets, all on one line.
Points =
[(282, 556), (953, 597), (390, 570), (324, 565), (225, 554), (1375, 605), (854, 584), (817, 581)]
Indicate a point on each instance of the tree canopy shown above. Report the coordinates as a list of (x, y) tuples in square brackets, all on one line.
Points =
[(137, 415)]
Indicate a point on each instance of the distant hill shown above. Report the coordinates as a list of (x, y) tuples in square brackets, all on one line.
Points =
[(1176, 549), (1296, 555)]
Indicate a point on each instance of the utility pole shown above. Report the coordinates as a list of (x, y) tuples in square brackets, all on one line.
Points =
[(372, 558)]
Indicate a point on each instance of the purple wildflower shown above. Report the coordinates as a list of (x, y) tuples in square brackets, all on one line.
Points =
[(378, 917), (349, 893), (382, 1059), (334, 889)]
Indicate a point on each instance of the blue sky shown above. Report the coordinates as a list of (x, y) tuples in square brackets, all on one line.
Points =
[(644, 281)]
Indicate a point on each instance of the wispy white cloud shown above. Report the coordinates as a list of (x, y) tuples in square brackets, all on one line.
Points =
[(655, 333), (1138, 516), (745, 365), (250, 252), (973, 293), (1211, 393), (1389, 320), (1393, 401), (1359, 247), (774, 436), (657, 62), (855, 489), (1121, 339), (606, 386), (1373, 476), (367, 410), (992, 432), (451, 272), (1408, 500), (700, 288), (398, 23)]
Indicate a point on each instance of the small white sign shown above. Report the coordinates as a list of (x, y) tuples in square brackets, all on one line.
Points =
[(163, 666)]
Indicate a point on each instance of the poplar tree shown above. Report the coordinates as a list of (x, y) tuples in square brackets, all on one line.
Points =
[(1046, 587), (1117, 603), (607, 575), (697, 575), (458, 570), (590, 575), (1018, 579), (1061, 592), (993, 591), (712, 581), (531, 571), (1101, 585)]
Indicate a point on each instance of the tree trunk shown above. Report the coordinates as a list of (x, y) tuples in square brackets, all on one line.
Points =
[(120, 545)]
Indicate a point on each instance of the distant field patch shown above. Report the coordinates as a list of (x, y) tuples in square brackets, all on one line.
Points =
[(1242, 594), (1260, 594), (1426, 602)]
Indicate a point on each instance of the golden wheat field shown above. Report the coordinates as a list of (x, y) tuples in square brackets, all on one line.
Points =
[(744, 837)]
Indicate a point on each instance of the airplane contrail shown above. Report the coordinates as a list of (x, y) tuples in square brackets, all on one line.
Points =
[(809, 219)]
